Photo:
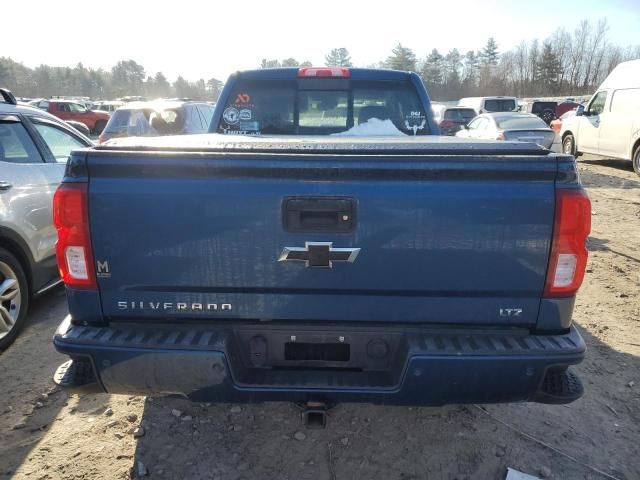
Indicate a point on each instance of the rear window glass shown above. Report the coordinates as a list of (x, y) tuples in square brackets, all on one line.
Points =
[(323, 109), (460, 114), (146, 122), (499, 105), (540, 107), (320, 107), (510, 122), (133, 122)]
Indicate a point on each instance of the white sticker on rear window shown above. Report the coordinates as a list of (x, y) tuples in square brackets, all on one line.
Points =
[(231, 115), (415, 121)]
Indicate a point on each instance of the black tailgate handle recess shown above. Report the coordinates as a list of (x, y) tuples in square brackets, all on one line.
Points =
[(319, 214)]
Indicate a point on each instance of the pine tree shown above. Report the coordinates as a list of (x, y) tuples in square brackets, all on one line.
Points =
[(432, 69), (269, 63), (490, 53), (548, 68), (451, 67), (402, 58), (338, 57), (470, 67)]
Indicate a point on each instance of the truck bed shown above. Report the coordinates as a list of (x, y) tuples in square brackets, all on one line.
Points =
[(368, 269)]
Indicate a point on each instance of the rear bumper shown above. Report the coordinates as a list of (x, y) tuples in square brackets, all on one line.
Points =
[(423, 366)]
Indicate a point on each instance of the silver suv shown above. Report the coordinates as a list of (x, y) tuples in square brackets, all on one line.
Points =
[(34, 147)]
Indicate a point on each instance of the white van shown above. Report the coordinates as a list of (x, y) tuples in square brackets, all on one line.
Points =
[(490, 104), (610, 123)]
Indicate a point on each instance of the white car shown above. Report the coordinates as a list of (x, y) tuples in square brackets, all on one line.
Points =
[(509, 126), (610, 123)]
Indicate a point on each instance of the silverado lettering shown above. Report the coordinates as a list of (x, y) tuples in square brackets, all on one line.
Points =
[(180, 306)]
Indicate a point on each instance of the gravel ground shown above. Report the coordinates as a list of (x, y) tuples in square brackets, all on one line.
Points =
[(46, 434)]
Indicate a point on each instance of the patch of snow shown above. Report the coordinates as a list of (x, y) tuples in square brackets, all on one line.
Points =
[(374, 127)]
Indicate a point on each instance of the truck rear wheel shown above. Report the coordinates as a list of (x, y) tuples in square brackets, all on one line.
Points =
[(14, 298)]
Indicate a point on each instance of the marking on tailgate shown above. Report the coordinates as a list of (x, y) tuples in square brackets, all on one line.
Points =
[(318, 254)]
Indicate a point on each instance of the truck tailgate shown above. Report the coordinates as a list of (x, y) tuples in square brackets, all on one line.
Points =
[(442, 238)]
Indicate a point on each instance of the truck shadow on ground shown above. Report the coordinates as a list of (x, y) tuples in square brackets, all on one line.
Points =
[(595, 244), (268, 441), (29, 399), (593, 180), (616, 163)]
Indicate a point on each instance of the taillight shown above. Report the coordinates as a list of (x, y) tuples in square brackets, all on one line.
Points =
[(500, 136), (446, 124), (568, 259), (339, 72), (71, 218)]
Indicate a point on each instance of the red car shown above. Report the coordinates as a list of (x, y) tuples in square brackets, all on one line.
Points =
[(70, 110)]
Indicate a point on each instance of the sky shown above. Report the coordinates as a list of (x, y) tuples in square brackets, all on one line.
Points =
[(205, 39)]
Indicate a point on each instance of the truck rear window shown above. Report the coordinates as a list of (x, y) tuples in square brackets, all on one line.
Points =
[(320, 107)]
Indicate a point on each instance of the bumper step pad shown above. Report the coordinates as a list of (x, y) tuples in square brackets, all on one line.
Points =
[(559, 386), (77, 375)]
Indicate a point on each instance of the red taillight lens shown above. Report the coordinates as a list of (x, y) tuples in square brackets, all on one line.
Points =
[(568, 259), (71, 218), (446, 124), (340, 72)]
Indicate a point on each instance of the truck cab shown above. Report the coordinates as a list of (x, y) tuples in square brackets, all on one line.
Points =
[(324, 101)]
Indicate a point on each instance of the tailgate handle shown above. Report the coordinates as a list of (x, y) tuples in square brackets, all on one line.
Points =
[(318, 214)]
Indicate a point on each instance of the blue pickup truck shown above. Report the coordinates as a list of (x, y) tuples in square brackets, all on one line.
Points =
[(285, 257)]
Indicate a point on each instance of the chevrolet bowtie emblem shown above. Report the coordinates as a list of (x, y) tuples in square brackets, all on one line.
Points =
[(318, 254)]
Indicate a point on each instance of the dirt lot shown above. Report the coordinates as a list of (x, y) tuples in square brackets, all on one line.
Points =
[(44, 434)]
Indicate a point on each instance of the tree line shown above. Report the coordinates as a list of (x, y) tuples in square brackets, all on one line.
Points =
[(127, 77), (566, 63), (563, 64)]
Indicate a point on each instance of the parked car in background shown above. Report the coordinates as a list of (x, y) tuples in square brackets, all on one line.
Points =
[(515, 126), (79, 126), (36, 102), (107, 106), (546, 110), (450, 119), (150, 119), (610, 123), (556, 125), (34, 147), (490, 104), (132, 98), (566, 106), (70, 110)]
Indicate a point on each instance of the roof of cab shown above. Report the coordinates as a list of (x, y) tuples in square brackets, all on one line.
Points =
[(354, 74)]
